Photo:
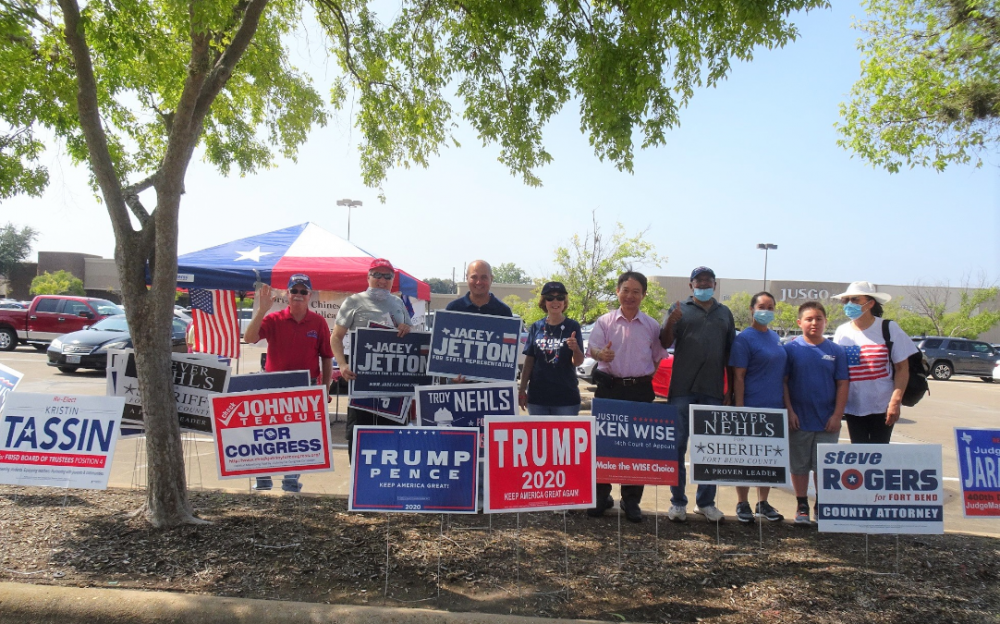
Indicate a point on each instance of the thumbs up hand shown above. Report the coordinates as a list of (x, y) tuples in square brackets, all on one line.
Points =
[(675, 315), (607, 354), (571, 342)]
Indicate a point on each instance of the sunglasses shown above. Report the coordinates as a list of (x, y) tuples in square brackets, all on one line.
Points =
[(298, 291), (555, 297), (381, 275), (861, 300)]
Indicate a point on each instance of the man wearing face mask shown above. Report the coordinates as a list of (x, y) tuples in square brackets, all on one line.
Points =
[(702, 332), (375, 305), (297, 339)]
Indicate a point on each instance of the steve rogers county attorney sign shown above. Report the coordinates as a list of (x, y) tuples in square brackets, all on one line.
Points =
[(739, 445)]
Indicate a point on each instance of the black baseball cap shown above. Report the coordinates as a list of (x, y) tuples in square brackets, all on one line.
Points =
[(553, 287), (702, 269)]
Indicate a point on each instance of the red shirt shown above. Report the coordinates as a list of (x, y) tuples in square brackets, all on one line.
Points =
[(293, 345)]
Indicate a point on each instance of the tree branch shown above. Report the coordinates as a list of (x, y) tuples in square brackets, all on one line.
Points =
[(90, 120), (226, 64)]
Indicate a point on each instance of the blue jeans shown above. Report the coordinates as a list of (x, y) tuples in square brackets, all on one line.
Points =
[(290, 483), (535, 409), (705, 495)]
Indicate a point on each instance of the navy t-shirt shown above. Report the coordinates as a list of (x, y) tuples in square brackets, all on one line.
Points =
[(761, 354), (553, 378), (494, 306)]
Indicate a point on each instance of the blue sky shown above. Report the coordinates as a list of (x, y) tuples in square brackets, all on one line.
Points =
[(754, 160)]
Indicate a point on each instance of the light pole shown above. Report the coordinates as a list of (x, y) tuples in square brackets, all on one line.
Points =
[(350, 203), (765, 247)]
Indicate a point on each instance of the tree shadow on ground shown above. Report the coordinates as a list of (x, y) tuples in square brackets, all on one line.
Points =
[(309, 548)]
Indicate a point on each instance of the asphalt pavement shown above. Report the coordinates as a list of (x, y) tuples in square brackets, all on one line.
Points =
[(960, 402)]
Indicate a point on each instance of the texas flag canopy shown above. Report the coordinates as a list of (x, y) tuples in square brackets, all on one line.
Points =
[(330, 262)]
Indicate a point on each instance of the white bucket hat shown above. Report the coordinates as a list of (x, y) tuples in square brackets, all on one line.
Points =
[(864, 288)]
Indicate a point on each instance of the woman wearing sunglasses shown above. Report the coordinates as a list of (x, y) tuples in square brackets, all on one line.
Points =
[(548, 380), (875, 392)]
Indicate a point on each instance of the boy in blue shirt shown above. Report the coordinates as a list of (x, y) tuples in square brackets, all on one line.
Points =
[(816, 380)]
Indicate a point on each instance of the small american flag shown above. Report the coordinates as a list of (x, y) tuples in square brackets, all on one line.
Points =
[(867, 362), (216, 326)]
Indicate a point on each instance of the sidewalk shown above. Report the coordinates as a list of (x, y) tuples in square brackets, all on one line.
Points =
[(21, 603)]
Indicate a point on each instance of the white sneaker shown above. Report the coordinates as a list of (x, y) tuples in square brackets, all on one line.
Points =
[(711, 513), (677, 513)]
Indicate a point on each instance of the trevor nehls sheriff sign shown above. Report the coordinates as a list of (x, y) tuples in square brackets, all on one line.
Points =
[(738, 445)]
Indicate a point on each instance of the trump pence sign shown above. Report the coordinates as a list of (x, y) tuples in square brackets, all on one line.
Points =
[(539, 462), (412, 469)]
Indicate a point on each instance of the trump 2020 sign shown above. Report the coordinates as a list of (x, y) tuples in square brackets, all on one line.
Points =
[(480, 347), (539, 462), (413, 469), (260, 433)]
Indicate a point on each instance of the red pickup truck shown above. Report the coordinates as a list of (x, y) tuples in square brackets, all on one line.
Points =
[(49, 317)]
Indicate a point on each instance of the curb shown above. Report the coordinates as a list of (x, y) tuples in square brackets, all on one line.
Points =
[(23, 603)]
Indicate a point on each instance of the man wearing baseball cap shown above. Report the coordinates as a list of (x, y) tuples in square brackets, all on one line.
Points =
[(375, 305), (297, 339), (701, 331)]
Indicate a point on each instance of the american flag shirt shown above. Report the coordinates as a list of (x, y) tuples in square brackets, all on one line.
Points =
[(869, 367)]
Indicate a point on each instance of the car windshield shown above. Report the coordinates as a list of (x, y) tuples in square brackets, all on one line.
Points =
[(112, 323), (106, 308)]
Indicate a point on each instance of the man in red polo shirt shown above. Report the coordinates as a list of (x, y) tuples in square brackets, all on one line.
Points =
[(297, 339)]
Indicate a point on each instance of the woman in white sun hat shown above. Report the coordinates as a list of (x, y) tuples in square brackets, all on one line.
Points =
[(876, 389)]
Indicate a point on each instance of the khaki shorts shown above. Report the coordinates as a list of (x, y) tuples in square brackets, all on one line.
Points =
[(802, 444)]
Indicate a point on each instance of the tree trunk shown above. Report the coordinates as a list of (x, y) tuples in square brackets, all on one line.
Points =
[(149, 310)]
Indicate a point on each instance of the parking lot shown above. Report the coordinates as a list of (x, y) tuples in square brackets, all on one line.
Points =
[(961, 401)]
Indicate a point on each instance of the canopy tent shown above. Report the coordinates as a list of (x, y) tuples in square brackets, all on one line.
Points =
[(330, 262)]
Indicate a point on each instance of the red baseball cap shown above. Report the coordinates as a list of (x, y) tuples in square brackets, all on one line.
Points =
[(379, 263)]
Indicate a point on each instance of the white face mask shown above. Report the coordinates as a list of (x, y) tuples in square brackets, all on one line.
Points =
[(378, 294)]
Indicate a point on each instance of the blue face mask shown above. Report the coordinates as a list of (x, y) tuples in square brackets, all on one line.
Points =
[(703, 294), (764, 317), (853, 310)]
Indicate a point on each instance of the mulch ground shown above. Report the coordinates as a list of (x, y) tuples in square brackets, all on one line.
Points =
[(544, 564)]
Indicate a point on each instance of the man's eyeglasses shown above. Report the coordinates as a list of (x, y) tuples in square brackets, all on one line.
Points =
[(555, 297), (298, 291), (381, 275)]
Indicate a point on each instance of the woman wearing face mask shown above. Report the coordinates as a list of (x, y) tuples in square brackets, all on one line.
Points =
[(758, 362), (548, 380), (876, 385)]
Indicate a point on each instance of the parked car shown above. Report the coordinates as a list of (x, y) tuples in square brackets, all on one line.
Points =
[(10, 304), (945, 357), (88, 348), (996, 371), (50, 316)]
